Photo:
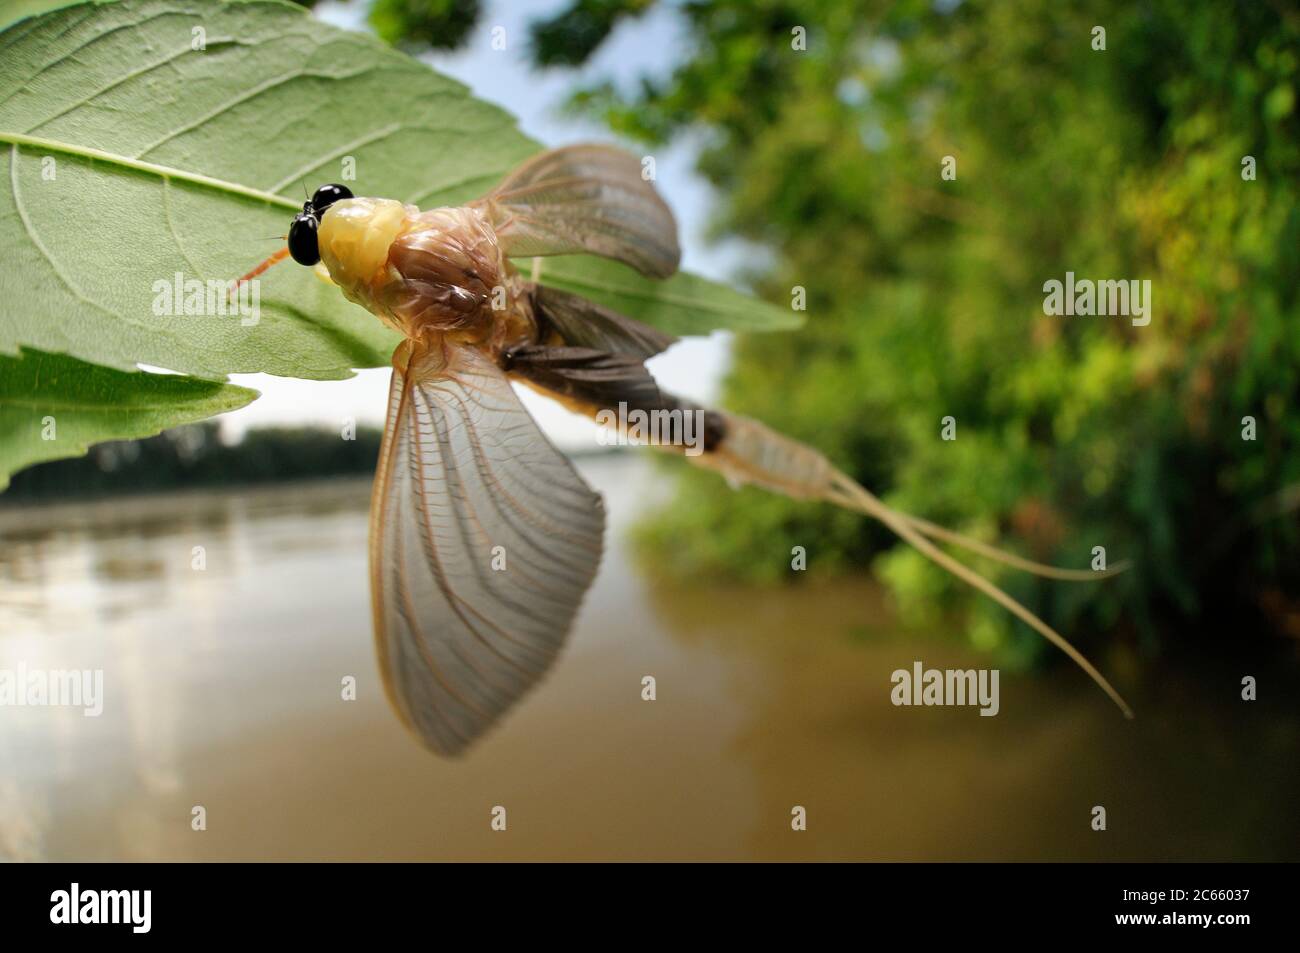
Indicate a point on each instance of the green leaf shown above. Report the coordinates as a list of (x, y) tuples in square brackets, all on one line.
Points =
[(128, 157), (684, 304), (11, 11), (53, 406)]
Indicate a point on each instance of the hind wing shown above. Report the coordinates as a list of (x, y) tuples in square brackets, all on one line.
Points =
[(585, 198)]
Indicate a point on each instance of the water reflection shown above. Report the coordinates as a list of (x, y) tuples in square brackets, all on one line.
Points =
[(222, 689)]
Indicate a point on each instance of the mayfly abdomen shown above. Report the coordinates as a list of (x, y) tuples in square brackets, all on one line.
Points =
[(749, 452), (617, 391)]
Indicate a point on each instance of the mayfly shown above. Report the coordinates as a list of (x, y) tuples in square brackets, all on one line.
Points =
[(467, 485)]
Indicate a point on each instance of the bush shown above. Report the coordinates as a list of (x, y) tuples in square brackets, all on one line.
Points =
[(926, 296)]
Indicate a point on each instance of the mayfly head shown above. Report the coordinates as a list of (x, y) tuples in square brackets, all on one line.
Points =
[(303, 246)]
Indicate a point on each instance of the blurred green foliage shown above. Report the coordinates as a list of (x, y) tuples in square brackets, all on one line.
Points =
[(566, 39), (441, 24), (570, 37), (925, 296)]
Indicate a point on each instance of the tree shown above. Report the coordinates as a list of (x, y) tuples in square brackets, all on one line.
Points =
[(925, 292)]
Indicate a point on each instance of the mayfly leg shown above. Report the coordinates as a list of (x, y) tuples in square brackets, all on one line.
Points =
[(273, 259)]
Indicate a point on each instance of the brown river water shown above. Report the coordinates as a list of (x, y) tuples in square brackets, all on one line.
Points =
[(222, 688)]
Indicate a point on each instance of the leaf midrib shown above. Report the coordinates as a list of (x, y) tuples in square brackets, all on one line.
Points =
[(163, 172)]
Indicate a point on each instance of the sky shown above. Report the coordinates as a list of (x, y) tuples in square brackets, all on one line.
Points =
[(649, 45)]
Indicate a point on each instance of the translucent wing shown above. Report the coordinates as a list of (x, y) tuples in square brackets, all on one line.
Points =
[(583, 323), (483, 540), (585, 198), (594, 379)]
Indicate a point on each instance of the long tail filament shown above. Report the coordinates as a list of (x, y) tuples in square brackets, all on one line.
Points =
[(852, 495), (753, 453)]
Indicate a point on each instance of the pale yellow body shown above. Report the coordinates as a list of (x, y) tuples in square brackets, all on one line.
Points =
[(354, 238)]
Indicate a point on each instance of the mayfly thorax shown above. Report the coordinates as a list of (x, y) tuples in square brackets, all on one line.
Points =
[(466, 479), (434, 274)]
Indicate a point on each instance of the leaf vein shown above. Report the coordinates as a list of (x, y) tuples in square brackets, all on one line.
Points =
[(371, 137), (36, 239), (93, 40), (86, 100), (248, 94), (171, 227)]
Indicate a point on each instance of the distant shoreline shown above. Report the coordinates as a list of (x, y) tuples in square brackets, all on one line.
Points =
[(22, 515), (25, 515)]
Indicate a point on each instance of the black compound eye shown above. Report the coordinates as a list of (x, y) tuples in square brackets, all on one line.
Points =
[(327, 195), (302, 240)]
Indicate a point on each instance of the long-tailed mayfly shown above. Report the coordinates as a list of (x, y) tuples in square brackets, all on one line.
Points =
[(464, 473)]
